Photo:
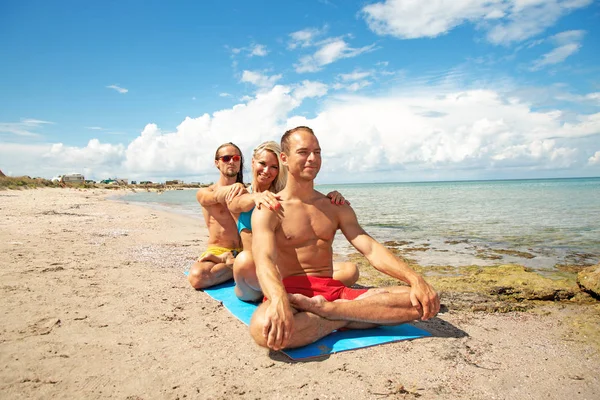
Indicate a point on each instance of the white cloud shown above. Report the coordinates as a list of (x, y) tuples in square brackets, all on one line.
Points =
[(351, 87), (595, 159), (259, 50), (224, 94), (529, 18), (422, 131), (94, 128), (305, 37), (253, 50), (23, 128), (585, 125), (260, 80), (95, 154), (477, 130), (593, 96), (354, 76), (353, 81), (556, 56), (567, 42), (505, 21), (118, 89), (410, 19), (329, 51), (310, 89), (190, 149), (156, 154), (18, 159)]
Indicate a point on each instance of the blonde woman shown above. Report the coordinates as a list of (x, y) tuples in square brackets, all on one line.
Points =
[(268, 177)]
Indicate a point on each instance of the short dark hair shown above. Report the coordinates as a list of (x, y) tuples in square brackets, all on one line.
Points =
[(285, 139), (240, 175)]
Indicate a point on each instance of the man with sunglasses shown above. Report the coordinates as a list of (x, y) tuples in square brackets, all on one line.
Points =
[(293, 254), (215, 265)]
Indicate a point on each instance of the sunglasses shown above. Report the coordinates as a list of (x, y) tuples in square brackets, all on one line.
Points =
[(228, 158)]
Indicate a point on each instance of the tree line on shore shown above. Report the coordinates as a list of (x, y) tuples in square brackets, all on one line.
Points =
[(26, 182)]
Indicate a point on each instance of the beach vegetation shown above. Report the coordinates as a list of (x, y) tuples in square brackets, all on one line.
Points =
[(515, 253), (499, 288), (486, 254), (396, 243), (26, 182)]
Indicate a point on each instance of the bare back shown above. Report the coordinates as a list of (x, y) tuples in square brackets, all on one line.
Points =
[(305, 235)]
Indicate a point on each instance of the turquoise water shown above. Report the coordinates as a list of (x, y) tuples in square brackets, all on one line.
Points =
[(550, 221)]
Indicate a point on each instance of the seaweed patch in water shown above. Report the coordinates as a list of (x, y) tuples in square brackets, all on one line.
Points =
[(515, 253)]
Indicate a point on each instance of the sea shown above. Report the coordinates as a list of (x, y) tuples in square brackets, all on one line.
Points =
[(543, 224)]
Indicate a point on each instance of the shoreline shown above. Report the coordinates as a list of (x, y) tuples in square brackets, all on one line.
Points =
[(434, 252), (95, 305)]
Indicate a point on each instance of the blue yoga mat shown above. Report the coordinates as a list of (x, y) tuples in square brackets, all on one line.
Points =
[(332, 343)]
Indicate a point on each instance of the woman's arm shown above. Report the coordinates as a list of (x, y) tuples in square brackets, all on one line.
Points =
[(248, 201)]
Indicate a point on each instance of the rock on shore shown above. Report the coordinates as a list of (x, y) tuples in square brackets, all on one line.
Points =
[(589, 280)]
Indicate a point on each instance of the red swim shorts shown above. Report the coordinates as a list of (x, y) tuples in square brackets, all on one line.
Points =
[(312, 286)]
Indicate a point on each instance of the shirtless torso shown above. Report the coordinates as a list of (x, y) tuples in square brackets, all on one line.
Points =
[(222, 230), (213, 266), (296, 241), (305, 235)]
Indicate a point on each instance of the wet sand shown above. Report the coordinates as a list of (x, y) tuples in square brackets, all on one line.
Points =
[(95, 305)]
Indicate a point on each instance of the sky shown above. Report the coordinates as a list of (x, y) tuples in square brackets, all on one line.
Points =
[(395, 90)]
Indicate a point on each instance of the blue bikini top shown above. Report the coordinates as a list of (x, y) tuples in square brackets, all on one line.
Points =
[(245, 221)]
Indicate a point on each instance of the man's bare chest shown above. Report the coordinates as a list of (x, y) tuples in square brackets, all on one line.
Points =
[(217, 213), (305, 224)]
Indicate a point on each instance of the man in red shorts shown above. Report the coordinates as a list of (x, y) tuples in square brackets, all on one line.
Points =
[(294, 263)]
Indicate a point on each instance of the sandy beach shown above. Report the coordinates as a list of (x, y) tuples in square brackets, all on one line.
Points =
[(95, 305)]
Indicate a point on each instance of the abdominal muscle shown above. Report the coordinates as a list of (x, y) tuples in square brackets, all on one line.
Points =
[(311, 261)]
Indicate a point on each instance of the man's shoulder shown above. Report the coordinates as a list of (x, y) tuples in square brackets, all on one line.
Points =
[(265, 219), (324, 203), (206, 189), (205, 196)]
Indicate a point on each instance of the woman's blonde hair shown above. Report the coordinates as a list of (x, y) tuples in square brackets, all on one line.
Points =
[(279, 182)]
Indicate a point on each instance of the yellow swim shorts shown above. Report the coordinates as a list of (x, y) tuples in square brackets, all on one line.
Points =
[(217, 251)]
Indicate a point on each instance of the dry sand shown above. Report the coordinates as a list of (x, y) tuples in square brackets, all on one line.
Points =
[(95, 305)]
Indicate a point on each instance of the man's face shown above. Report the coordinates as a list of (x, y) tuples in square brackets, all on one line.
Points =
[(304, 158), (226, 162)]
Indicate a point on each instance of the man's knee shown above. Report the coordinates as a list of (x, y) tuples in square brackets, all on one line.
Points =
[(353, 272), (244, 265), (346, 272), (198, 276), (256, 328)]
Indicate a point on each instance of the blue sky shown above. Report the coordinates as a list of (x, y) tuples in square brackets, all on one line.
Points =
[(400, 90)]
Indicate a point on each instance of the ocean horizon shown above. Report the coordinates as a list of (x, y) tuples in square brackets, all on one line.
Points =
[(538, 223)]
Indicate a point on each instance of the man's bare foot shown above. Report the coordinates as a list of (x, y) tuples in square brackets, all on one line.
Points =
[(310, 304)]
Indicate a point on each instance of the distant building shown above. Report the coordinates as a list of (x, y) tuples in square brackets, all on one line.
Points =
[(174, 182), (69, 178)]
